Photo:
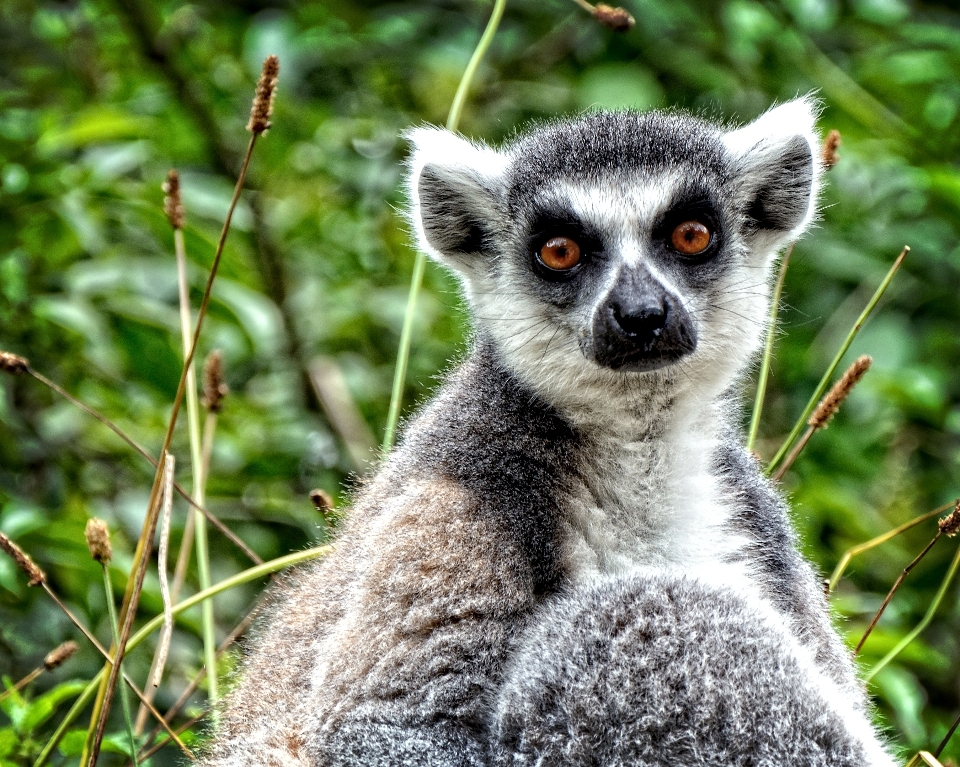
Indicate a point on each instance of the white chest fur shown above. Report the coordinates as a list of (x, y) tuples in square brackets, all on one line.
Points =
[(647, 497)]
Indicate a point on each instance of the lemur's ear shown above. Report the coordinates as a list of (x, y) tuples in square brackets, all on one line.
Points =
[(456, 190), (777, 165)]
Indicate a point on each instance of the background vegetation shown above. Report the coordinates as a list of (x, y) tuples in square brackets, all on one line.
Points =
[(99, 99)]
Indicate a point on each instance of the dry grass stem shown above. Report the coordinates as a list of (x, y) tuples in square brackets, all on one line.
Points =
[(12, 363), (262, 108), (60, 655), (147, 753), (214, 386), (141, 557), (224, 530), (106, 655), (24, 562), (850, 553), (53, 660), (98, 540), (831, 402), (893, 590), (194, 683), (830, 146), (163, 646), (826, 409), (172, 205)]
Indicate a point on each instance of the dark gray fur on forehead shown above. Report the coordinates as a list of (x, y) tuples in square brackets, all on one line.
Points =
[(602, 143)]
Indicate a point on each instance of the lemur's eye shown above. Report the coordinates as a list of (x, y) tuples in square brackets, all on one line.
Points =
[(691, 238), (560, 253)]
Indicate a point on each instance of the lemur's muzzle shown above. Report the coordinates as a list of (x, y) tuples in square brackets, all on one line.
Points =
[(640, 325)]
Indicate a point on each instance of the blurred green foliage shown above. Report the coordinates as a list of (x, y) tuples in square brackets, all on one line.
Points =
[(98, 99)]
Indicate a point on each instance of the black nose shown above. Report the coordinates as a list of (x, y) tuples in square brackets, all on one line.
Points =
[(640, 321), (640, 325)]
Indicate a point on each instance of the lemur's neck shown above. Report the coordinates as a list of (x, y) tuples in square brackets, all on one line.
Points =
[(646, 489)]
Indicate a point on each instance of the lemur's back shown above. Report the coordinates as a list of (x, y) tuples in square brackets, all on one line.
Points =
[(574, 504)]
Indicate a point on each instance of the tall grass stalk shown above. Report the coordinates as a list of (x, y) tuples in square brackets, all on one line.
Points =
[(252, 574), (828, 375), (141, 555), (924, 622), (767, 359), (115, 628), (196, 464), (419, 264)]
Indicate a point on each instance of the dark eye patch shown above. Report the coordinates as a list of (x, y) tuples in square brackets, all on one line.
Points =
[(555, 223)]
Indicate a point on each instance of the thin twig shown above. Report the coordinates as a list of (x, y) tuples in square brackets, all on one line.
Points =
[(146, 754), (924, 622), (797, 449), (893, 590), (946, 738)]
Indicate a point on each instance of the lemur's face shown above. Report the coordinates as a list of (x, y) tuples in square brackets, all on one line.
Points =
[(619, 244)]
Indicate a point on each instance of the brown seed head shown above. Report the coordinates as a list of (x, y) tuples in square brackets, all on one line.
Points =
[(617, 19), (11, 363), (60, 655), (950, 524), (34, 573), (214, 387), (838, 392), (172, 205), (322, 501), (830, 147), (98, 540), (263, 100)]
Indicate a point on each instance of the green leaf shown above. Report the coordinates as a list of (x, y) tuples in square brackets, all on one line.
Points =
[(43, 707)]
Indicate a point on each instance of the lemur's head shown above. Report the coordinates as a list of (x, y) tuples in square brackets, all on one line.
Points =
[(619, 250)]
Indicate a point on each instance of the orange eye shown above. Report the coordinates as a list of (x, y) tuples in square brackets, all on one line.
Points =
[(690, 238), (560, 253)]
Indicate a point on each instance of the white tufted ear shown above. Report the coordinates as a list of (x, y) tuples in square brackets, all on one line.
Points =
[(456, 188), (776, 160)]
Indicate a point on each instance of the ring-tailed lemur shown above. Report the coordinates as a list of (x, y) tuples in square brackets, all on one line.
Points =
[(570, 559)]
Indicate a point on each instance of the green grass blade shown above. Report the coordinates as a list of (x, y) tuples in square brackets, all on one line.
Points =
[(768, 351), (828, 376), (419, 264)]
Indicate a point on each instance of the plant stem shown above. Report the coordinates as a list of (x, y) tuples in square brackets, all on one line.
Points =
[(115, 628), (874, 542), (893, 590), (767, 359), (227, 532), (797, 449), (828, 376), (924, 622), (141, 555), (419, 264), (196, 463), (252, 574)]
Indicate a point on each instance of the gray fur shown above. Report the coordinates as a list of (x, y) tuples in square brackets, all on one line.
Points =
[(663, 670), (570, 557)]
